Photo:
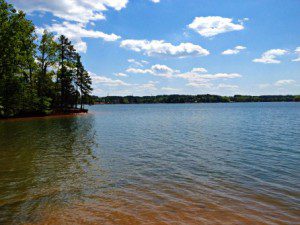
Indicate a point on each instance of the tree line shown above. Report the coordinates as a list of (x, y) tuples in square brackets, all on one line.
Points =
[(193, 99), (38, 75)]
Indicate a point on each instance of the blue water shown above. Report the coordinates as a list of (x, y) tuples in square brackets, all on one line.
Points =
[(184, 163)]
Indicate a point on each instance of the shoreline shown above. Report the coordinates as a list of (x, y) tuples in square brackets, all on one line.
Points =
[(70, 113)]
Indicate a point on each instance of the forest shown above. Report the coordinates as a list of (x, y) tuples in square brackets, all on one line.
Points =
[(193, 99), (39, 74)]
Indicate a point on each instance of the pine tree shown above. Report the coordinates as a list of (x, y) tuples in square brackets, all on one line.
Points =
[(83, 81), (46, 59), (67, 57)]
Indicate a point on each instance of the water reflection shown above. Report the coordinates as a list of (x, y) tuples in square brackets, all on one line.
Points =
[(44, 163)]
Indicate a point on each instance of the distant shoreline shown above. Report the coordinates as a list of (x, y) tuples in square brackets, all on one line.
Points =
[(166, 103), (193, 99)]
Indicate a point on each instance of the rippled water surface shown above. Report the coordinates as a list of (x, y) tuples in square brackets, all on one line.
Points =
[(154, 164)]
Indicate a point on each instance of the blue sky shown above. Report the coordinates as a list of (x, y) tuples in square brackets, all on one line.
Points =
[(150, 47)]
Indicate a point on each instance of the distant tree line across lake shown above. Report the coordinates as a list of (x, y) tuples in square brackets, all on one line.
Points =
[(38, 76), (193, 99)]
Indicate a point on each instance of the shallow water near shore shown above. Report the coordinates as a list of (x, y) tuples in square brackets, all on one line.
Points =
[(154, 164)]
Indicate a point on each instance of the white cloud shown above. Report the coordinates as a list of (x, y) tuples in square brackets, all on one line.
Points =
[(199, 70), (213, 25), (156, 70), (200, 84), (155, 1), (81, 11), (137, 63), (233, 51), (202, 77), (121, 75), (196, 74), (163, 70), (77, 31), (197, 77), (196, 80), (80, 46), (220, 76), (162, 48), (297, 51), (269, 57), (189, 76), (138, 71), (284, 82), (193, 74), (204, 80), (210, 85), (106, 81)]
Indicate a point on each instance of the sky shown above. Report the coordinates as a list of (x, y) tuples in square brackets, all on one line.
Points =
[(151, 47)]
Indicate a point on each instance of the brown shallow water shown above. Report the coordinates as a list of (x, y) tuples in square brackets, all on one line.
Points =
[(153, 164)]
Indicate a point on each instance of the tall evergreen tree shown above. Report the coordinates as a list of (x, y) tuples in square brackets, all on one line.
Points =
[(47, 58), (67, 57), (83, 81)]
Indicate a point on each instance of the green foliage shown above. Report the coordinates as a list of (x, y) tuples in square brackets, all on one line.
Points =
[(36, 79)]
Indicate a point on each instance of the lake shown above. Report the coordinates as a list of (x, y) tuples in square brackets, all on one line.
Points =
[(233, 163)]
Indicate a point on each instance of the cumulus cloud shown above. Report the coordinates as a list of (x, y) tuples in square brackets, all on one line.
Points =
[(196, 79), (269, 57), (196, 75), (155, 1), (201, 74), (82, 11), (156, 70), (138, 71), (106, 81), (284, 82), (297, 51), (233, 51), (163, 70), (77, 31), (210, 26), (162, 48)]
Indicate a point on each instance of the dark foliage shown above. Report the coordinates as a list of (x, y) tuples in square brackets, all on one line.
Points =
[(37, 76)]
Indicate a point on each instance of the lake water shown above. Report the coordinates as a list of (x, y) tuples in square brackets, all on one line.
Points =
[(154, 164)]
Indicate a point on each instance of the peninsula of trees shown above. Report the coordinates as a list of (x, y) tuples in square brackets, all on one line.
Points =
[(38, 75), (193, 99)]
